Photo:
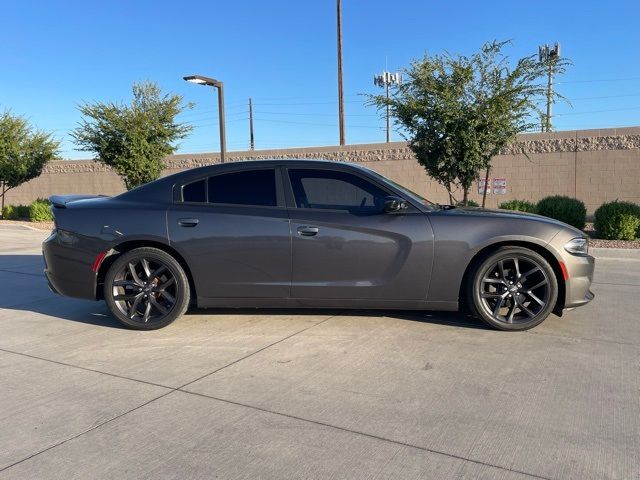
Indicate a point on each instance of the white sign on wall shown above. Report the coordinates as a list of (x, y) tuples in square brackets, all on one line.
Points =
[(500, 186), (482, 185)]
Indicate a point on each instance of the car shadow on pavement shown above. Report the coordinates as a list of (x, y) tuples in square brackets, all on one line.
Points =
[(27, 291), (454, 319), (69, 309)]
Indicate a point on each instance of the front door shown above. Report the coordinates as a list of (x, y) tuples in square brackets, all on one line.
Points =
[(344, 246), (233, 230)]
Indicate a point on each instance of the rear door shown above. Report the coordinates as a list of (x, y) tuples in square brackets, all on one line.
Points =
[(233, 230), (346, 247)]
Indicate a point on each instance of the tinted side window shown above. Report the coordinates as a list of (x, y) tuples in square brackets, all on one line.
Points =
[(194, 192), (335, 190), (254, 187)]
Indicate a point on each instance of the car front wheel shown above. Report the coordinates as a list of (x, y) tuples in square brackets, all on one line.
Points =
[(146, 289), (513, 288)]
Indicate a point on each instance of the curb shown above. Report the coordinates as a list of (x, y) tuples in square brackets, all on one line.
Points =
[(616, 253)]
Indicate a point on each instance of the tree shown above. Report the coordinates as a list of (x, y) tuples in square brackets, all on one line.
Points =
[(458, 112), (23, 152), (133, 139)]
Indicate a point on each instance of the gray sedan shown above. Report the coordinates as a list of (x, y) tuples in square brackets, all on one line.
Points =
[(300, 233)]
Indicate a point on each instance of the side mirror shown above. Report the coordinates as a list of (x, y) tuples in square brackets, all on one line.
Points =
[(394, 205)]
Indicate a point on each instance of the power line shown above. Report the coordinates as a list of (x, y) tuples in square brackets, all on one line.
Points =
[(601, 80), (305, 97), (606, 96), (309, 103), (599, 111), (315, 124), (311, 114)]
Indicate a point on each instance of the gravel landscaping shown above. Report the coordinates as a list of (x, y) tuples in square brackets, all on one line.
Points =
[(601, 243)]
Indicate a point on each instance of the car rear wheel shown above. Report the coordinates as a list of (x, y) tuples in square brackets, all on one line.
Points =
[(513, 288), (146, 289)]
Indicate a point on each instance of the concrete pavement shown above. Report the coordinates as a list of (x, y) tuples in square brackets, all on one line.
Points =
[(314, 394)]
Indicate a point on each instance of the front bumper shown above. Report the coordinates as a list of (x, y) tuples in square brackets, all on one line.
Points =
[(578, 284)]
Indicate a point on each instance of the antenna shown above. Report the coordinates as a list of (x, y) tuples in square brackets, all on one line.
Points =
[(385, 80), (549, 56)]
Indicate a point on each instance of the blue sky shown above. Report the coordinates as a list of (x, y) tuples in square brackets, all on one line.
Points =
[(56, 54)]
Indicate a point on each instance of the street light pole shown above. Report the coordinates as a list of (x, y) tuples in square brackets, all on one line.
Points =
[(212, 82), (223, 133)]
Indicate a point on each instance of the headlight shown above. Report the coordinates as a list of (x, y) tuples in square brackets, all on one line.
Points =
[(577, 246)]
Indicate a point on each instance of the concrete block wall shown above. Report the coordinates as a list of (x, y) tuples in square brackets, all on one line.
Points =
[(592, 165)]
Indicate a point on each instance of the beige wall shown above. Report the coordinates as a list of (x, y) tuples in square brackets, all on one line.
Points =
[(592, 165)]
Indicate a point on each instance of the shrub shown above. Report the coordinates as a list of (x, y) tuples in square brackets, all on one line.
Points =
[(470, 203), (15, 212), (519, 206), (23, 211), (614, 220), (9, 212), (566, 209), (40, 211)]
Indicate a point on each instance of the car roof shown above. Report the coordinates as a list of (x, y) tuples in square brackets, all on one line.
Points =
[(272, 162), (159, 188), (285, 161)]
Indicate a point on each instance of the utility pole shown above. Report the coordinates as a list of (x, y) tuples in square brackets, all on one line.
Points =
[(386, 79), (340, 91), (549, 56), (251, 144)]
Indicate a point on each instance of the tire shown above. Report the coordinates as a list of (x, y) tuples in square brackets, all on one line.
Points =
[(512, 289), (146, 289)]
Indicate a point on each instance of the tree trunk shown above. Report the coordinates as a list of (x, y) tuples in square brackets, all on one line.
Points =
[(486, 186), (451, 202), (2, 208), (465, 197)]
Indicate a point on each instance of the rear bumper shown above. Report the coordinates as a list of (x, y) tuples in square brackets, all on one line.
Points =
[(578, 286), (68, 270)]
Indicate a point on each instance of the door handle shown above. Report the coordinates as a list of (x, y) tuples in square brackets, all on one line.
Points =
[(308, 231), (188, 222)]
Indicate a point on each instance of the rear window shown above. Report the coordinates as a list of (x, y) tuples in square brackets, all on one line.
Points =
[(195, 192), (254, 187)]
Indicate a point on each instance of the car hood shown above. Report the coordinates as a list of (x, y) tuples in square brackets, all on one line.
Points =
[(497, 213)]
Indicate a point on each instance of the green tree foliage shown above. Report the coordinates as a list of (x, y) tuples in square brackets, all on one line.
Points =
[(133, 139), (457, 112), (23, 152)]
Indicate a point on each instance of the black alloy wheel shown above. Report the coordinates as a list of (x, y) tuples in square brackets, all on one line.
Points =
[(513, 289), (146, 289)]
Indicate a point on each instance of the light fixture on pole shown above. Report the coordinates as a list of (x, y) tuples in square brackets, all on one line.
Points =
[(549, 56), (212, 82), (386, 79)]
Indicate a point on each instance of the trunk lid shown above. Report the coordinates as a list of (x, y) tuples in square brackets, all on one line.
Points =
[(61, 201)]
